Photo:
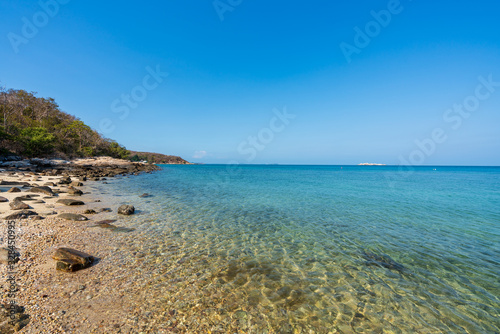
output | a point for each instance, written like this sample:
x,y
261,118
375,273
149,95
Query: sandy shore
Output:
x,y
92,300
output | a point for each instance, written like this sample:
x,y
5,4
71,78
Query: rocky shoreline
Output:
x,y
51,228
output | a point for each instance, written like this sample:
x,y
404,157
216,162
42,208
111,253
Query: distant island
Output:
x,y
35,127
371,164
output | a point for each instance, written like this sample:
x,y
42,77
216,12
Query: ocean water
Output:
x,y
319,249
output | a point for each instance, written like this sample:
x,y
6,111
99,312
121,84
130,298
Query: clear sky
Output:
x,y
316,82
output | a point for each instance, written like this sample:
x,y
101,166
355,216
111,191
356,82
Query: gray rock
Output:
x,y
69,201
72,216
3,199
126,209
105,210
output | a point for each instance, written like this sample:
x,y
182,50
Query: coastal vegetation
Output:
x,y
32,126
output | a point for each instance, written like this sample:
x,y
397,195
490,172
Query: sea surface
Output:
x,y
319,249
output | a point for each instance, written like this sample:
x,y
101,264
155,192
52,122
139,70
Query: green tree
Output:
x,y
37,141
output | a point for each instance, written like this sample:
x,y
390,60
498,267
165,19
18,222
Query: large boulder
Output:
x,y
43,189
69,201
69,259
126,209
72,216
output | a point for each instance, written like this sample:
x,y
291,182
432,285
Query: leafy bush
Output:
x,y
37,141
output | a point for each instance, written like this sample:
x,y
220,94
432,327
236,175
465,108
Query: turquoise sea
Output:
x,y
319,249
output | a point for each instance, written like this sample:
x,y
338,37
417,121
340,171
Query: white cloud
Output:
x,y
199,154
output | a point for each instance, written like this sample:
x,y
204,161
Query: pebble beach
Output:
x,y
99,299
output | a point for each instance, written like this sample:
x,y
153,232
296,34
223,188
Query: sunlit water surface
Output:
x,y
318,249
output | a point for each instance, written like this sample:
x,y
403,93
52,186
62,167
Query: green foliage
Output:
x,y
118,151
37,141
135,158
35,126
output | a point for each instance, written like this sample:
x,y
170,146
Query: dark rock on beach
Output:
x,y
69,259
69,201
26,198
43,189
19,205
13,183
72,216
75,192
14,190
3,199
21,215
126,209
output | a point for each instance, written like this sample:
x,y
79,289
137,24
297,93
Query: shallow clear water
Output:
x,y
322,249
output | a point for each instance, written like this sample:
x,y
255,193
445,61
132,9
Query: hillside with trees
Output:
x,y
156,158
32,126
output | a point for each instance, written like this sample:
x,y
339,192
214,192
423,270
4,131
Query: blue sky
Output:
x,y
389,101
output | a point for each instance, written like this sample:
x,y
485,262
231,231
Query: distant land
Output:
x,y
157,158
371,164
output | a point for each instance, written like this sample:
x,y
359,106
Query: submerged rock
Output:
x,y
107,224
69,201
72,216
383,261
126,209
69,259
